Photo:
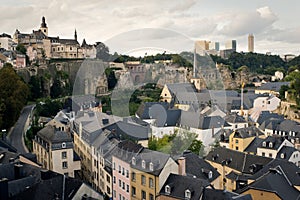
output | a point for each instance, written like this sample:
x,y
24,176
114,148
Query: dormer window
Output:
x,y
270,145
264,144
187,194
63,145
210,174
282,155
143,164
167,189
133,160
151,166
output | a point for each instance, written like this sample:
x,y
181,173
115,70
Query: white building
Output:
x,y
266,103
6,42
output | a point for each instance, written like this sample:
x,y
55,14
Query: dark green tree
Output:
x,y
13,95
102,51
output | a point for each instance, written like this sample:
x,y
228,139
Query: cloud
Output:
x,y
237,24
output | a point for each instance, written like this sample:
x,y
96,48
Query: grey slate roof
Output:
x,y
158,159
276,142
212,194
236,160
49,134
234,118
179,184
273,86
196,166
275,181
252,147
286,152
125,130
144,108
266,115
290,169
250,131
197,120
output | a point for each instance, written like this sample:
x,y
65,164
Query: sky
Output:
x,y
161,25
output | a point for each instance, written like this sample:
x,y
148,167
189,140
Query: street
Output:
x,y
16,136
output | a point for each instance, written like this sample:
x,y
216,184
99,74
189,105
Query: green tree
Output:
x,y
102,51
196,147
21,48
13,95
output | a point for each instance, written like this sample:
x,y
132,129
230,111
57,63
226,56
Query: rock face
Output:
x,y
289,111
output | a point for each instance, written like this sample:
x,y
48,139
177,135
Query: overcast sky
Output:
x,y
126,25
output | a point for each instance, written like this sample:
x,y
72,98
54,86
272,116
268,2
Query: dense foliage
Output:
x,y
259,63
177,143
13,96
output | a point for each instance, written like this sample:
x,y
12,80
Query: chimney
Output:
x,y
181,166
4,189
17,170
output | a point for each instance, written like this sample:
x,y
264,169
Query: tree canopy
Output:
x,y
13,96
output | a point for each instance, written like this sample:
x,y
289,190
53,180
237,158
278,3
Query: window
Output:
x,y
120,183
63,145
114,166
151,182
108,189
123,171
167,189
114,179
127,188
64,165
133,160
107,178
187,194
282,155
127,173
114,193
120,197
143,180
264,144
143,195
133,191
151,166
210,174
270,155
119,169
71,48
237,148
263,154
151,197
133,176
143,164
63,154
236,141
270,145
123,185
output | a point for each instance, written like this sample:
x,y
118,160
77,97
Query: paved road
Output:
x,y
16,138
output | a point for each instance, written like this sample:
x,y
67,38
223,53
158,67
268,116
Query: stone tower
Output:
x,y
44,27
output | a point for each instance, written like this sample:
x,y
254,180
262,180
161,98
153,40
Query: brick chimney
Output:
x,y
181,166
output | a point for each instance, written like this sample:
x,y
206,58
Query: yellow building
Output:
x,y
240,139
149,171
54,151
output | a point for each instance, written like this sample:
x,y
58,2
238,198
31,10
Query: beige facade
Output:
x,y
261,194
54,151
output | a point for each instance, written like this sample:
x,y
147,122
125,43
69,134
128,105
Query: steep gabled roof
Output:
x,y
236,160
179,184
274,181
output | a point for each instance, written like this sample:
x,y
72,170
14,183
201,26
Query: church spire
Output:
x,y
75,35
43,24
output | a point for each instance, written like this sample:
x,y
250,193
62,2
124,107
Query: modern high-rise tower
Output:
x,y
251,43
